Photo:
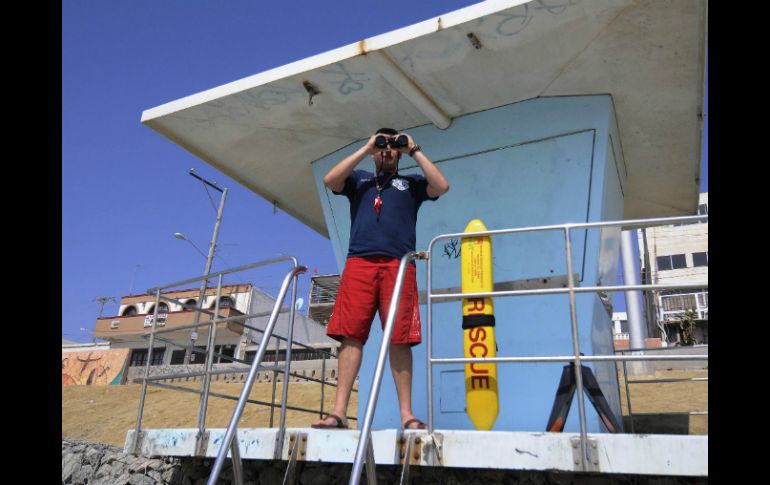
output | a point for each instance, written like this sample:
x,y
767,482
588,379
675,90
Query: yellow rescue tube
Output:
x,y
481,396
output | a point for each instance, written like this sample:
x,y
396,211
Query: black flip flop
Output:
x,y
420,424
339,424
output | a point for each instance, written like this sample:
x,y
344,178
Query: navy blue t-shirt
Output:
x,y
393,232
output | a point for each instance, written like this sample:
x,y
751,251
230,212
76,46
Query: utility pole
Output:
x,y
209,259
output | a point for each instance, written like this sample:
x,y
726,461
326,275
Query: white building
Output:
x,y
677,254
132,325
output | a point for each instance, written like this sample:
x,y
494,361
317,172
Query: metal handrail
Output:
x,y
626,382
365,436
230,443
571,290
235,398
235,320
155,329
225,272
371,403
231,428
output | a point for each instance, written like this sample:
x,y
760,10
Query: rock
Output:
x,y
123,479
129,459
137,479
154,464
105,470
82,474
69,464
111,456
172,476
139,466
155,476
91,456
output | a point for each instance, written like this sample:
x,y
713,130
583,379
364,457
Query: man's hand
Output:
x,y
437,183
335,178
369,147
408,146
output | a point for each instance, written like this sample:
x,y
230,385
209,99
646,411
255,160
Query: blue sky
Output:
x,y
125,189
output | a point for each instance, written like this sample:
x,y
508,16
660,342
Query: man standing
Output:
x,y
383,214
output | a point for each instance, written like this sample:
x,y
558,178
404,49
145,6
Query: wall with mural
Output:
x,y
93,367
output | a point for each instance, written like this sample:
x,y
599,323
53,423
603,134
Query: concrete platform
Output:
x,y
637,454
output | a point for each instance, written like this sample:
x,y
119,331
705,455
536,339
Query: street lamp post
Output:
x,y
209,258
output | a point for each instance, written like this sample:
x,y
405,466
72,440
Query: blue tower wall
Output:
x,y
539,162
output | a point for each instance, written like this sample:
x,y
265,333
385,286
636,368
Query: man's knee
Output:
x,y
349,342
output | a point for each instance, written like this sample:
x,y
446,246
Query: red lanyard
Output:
x,y
378,200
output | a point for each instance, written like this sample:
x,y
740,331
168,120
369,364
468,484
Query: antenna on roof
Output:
x,y
103,300
133,275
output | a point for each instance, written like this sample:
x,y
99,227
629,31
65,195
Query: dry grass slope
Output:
x,y
105,413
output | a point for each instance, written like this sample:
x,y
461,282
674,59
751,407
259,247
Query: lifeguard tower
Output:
x,y
539,114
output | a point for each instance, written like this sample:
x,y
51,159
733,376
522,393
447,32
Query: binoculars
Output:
x,y
398,141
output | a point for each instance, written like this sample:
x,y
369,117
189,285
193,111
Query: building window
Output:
x,y
157,356
703,209
224,302
700,259
228,350
139,356
189,305
674,261
162,308
307,354
198,358
296,354
177,357
678,261
129,311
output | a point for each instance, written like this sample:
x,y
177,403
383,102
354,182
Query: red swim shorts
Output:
x,y
366,287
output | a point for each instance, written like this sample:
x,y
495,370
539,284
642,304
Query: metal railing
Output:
x,y
212,324
155,333
232,427
364,443
626,383
577,358
571,290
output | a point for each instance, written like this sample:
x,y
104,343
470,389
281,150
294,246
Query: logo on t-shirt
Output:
x,y
400,184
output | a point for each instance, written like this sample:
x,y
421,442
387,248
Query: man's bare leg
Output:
x,y
348,364
401,366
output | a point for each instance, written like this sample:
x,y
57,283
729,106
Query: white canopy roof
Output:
x,y
265,130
